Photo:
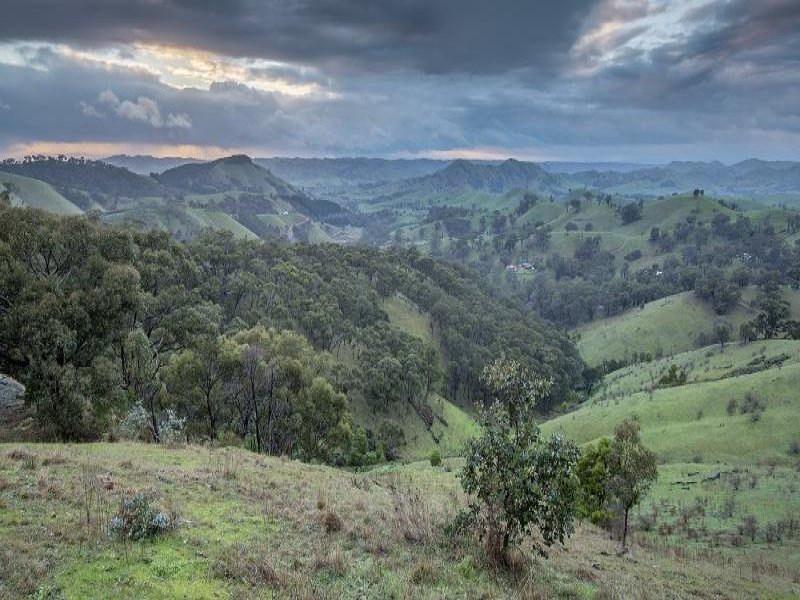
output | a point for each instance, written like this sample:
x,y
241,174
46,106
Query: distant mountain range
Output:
x,y
770,180
750,178
145,165
492,178
230,193
291,197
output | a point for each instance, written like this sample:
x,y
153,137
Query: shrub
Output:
x,y
752,404
731,408
228,438
171,429
140,518
794,447
633,255
674,376
136,425
412,516
424,573
436,458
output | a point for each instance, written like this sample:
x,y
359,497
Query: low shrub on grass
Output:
x,y
436,458
140,518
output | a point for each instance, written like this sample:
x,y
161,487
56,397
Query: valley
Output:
x,y
383,290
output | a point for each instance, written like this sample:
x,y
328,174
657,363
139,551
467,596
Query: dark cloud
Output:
x,y
430,35
721,81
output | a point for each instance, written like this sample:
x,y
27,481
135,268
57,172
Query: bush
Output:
x,y
436,458
751,403
731,408
633,255
171,429
511,460
139,518
136,425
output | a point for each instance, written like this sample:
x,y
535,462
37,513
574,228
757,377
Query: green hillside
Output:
x,y
33,193
224,175
663,327
726,441
229,194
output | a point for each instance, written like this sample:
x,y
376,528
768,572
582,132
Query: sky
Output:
x,y
591,80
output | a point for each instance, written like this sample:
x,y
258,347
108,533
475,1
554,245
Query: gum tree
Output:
x,y
516,481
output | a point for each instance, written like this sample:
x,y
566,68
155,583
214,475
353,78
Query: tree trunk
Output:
x,y
255,409
625,529
211,423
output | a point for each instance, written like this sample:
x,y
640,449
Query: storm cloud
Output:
x,y
590,80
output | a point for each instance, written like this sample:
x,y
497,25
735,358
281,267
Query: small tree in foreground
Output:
x,y
631,469
515,481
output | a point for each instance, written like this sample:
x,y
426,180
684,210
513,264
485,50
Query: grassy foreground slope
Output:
x,y
728,445
257,527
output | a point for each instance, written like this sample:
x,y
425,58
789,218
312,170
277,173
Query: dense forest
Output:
x,y
265,341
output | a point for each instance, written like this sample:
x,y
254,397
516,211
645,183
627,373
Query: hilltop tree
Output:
x,y
515,480
631,470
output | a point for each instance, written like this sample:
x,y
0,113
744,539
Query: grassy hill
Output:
x,y
224,175
662,327
259,527
726,442
232,194
33,193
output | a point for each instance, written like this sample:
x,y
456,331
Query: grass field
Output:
x,y
258,527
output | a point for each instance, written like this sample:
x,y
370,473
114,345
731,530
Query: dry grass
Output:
x,y
284,529
249,564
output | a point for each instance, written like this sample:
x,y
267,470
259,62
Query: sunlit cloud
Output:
x,y
178,67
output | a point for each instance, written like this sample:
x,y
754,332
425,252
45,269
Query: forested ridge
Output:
x,y
265,341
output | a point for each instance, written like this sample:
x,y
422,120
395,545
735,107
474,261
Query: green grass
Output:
x,y
679,423
254,527
219,220
717,463
662,327
33,193
405,315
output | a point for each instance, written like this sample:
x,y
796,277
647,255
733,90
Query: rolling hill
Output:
x,y
750,178
726,441
321,173
232,194
33,193
462,176
663,327
89,184
145,164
